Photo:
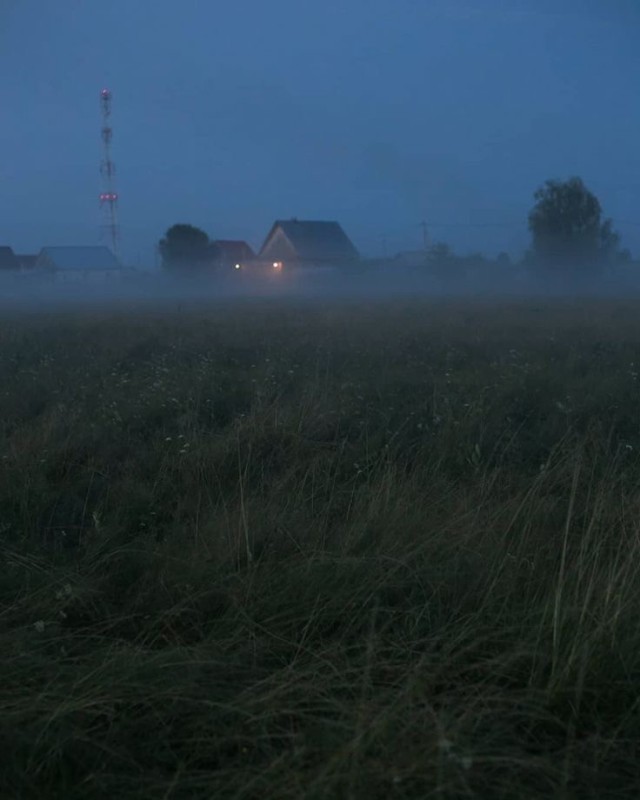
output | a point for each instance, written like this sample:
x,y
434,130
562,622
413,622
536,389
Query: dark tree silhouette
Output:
x,y
440,253
568,233
185,249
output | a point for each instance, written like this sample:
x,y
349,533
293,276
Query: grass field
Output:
x,y
346,550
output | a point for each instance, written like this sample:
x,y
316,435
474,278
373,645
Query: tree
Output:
x,y
185,249
624,257
440,260
568,233
440,253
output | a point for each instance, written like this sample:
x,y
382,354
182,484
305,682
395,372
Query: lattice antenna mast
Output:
x,y
109,196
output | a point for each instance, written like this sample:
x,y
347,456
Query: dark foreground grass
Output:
x,y
305,552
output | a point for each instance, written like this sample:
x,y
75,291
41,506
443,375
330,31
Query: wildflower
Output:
x,y
66,591
450,750
476,451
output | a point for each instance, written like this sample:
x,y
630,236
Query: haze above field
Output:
x,y
377,113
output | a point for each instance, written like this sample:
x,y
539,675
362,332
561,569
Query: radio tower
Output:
x,y
109,197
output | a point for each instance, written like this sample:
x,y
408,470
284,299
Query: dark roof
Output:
x,y
8,259
232,249
78,258
313,241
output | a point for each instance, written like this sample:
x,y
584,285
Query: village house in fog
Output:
x,y
27,261
8,260
78,264
229,252
13,263
308,243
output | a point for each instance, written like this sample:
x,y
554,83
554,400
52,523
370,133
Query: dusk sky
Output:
x,y
375,113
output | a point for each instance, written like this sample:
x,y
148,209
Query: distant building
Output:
x,y
8,260
27,263
79,264
229,252
308,243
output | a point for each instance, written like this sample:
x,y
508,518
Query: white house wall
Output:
x,y
278,247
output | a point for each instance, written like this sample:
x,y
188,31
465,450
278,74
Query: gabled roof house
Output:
x,y
8,259
229,252
79,263
27,261
307,242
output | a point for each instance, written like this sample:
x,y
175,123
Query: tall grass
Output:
x,y
314,551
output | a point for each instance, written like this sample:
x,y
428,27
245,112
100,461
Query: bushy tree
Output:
x,y
185,249
624,257
567,229
441,262
440,253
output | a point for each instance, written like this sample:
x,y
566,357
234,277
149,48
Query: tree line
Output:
x,y
570,238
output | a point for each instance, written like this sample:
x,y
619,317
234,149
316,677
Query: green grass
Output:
x,y
321,551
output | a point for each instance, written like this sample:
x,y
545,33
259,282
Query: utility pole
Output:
x,y
425,236
383,242
425,241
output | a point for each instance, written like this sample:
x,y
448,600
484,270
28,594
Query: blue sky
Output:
x,y
377,113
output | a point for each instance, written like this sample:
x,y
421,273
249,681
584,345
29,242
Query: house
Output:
x,y
27,263
308,243
8,260
229,252
79,264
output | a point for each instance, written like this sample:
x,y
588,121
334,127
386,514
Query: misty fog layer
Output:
x,y
379,282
